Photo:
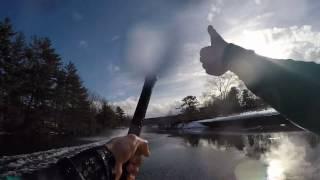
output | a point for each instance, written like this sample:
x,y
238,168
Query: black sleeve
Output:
x,y
291,87
91,164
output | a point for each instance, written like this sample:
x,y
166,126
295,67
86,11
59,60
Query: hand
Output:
x,y
130,149
211,56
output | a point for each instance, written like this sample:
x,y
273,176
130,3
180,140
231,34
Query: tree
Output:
x,y
12,46
232,101
188,108
121,118
251,102
189,105
39,95
76,100
106,117
220,86
248,100
76,95
41,70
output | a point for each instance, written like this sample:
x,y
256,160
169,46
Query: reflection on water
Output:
x,y
204,155
271,156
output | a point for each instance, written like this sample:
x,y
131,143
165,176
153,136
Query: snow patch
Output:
x,y
245,115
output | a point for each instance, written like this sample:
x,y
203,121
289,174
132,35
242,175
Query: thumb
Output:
x,y
143,148
214,36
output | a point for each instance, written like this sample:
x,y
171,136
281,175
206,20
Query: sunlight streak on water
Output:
x,y
275,170
268,156
293,157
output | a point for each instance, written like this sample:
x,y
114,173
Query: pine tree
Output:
x,y
121,118
77,106
106,117
248,101
12,46
41,73
232,101
37,94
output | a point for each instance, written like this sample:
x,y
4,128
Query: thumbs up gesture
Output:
x,y
211,57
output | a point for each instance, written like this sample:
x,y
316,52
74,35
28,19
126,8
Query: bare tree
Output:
x,y
219,86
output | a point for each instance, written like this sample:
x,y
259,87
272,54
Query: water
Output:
x,y
204,155
232,156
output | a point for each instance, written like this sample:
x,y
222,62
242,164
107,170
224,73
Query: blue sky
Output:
x,y
111,40
92,34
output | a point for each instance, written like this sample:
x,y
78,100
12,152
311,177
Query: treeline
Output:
x,y
236,101
232,102
40,94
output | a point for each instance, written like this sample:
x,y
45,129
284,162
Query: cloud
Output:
x,y
77,16
296,42
115,38
257,1
155,109
214,11
113,68
83,44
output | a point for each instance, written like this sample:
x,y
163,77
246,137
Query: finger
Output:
x,y
136,160
132,169
214,36
143,148
131,177
118,170
206,52
139,146
212,33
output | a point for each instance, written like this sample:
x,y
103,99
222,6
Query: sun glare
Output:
x,y
275,170
262,42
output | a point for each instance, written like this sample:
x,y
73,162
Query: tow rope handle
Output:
x,y
140,113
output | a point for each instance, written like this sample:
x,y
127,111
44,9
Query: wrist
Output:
x,y
224,61
233,54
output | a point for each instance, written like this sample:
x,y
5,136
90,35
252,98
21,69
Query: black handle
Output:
x,y
140,113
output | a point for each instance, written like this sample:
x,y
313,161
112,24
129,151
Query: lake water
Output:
x,y
202,154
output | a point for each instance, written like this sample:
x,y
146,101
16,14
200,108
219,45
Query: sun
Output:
x,y
262,42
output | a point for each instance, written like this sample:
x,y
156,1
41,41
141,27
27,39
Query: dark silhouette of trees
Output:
x,y
121,116
227,95
248,101
12,49
38,94
106,115
232,102
189,109
189,105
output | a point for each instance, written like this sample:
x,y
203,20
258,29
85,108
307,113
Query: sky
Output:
x,y
114,42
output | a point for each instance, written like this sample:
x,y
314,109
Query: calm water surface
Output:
x,y
203,155
233,156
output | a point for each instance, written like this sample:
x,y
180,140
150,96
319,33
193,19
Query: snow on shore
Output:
x,y
250,114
